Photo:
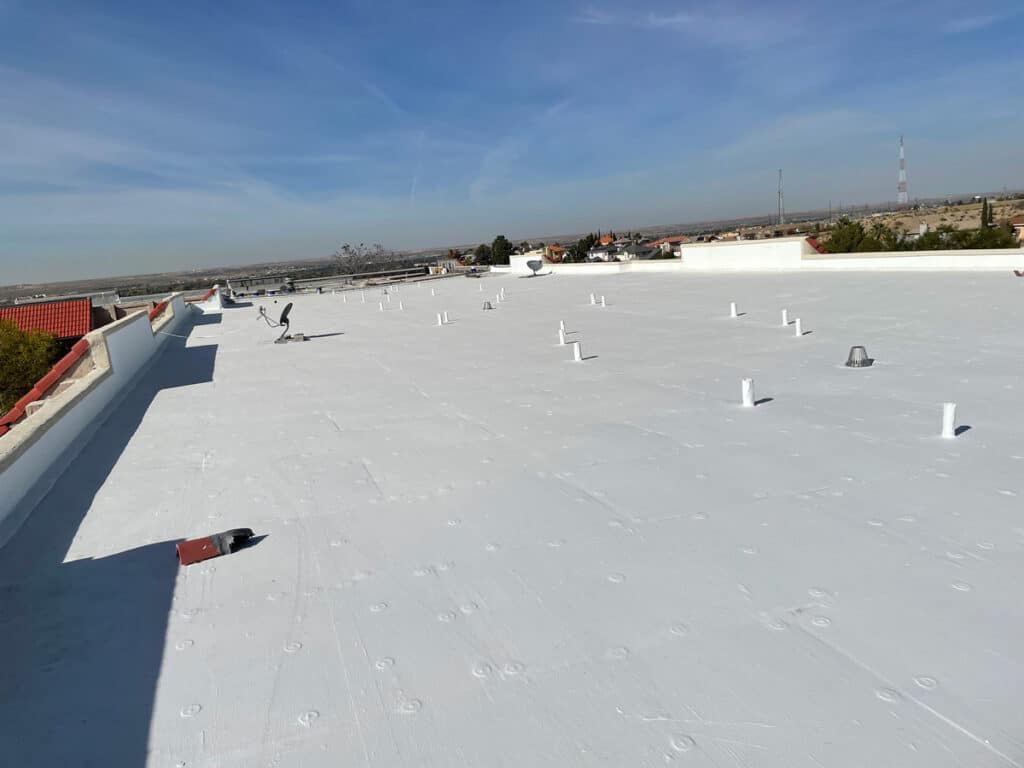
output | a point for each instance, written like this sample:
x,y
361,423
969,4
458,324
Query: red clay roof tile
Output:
x,y
69,319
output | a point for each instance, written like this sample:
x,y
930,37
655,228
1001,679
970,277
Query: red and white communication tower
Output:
x,y
901,183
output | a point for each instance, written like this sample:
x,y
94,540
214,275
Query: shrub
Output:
x,y
25,357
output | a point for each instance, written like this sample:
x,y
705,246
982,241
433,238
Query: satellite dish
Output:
x,y
535,265
283,322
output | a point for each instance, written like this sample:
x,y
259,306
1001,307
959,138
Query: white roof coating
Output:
x,y
480,553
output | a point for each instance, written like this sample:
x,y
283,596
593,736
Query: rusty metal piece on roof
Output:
x,y
197,550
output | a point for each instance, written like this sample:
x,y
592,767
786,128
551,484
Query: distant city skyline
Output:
x,y
138,138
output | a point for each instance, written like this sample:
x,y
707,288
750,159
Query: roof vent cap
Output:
x,y
858,358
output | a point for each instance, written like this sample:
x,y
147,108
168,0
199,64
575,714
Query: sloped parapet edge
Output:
x,y
211,301
40,443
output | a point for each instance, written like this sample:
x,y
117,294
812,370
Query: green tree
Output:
x,y
501,249
881,238
984,212
25,357
578,251
482,254
845,236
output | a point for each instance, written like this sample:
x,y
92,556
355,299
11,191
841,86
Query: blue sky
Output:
x,y
145,136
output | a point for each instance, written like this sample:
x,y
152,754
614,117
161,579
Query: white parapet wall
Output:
x,y
37,449
517,266
784,253
910,261
747,255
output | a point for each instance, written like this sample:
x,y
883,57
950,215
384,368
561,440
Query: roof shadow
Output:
x,y
86,638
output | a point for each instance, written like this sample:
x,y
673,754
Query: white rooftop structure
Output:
x,y
478,552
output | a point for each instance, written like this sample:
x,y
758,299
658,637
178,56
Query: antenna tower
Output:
x,y
901,183
782,205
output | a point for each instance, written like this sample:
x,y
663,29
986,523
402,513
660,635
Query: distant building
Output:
x,y
554,253
638,251
1017,222
97,297
671,244
601,253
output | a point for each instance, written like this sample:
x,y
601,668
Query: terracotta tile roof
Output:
x,y
672,240
70,319
606,240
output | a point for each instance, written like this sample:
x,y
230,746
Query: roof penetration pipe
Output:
x,y
949,420
747,386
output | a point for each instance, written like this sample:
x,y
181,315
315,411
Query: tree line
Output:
x,y
849,236
498,252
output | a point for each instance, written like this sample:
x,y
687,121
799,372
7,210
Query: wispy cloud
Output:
x,y
596,17
679,20
973,23
296,55
497,167
783,135
37,153
330,158
715,25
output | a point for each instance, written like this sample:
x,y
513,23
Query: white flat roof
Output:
x,y
479,553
